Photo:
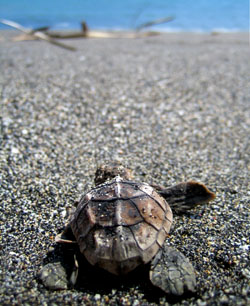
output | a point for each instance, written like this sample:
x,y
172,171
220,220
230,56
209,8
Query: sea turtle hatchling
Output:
x,y
121,224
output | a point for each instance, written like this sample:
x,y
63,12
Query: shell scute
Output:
x,y
83,221
145,235
128,213
106,192
104,212
154,195
129,190
151,212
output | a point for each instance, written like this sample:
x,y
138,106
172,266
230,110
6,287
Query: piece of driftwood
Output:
x,y
45,34
101,34
41,29
22,37
154,22
74,34
86,33
36,34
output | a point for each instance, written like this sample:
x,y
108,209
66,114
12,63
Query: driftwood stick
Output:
x,y
85,33
56,34
90,34
74,34
101,34
15,25
154,22
41,29
45,37
37,34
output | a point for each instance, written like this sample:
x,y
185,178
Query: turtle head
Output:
x,y
109,171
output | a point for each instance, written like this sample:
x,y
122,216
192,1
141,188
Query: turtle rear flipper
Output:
x,y
172,272
185,196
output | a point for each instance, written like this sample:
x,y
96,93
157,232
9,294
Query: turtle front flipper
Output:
x,y
54,275
172,272
185,196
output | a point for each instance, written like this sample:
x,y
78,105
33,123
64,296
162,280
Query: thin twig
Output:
x,y
154,22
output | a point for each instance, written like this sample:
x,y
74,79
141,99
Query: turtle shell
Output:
x,y
121,224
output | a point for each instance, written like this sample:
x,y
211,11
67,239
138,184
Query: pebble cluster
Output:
x,y
172,107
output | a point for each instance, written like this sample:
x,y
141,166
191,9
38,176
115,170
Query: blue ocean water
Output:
x,y
190,15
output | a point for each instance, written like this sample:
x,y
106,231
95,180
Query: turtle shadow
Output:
x,y
96,280
93,280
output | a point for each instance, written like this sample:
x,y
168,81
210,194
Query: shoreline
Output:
x,y
185,37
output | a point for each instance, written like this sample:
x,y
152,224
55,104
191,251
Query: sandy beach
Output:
x,y
173,107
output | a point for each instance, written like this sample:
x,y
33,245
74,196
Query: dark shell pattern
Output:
x,y
121,224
